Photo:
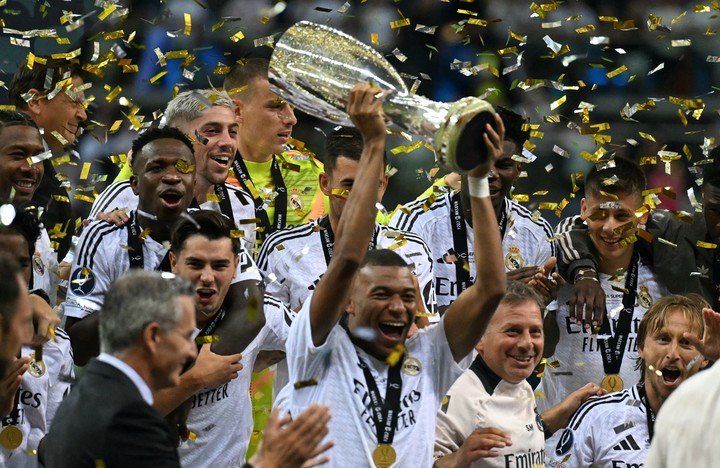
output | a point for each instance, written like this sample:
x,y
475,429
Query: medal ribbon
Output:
x,y
460,244
135,246
612,349
327,238
225,206
243,177
384,412
649,413
209,329
716,281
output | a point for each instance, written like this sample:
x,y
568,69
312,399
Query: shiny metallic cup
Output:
x,y
314,67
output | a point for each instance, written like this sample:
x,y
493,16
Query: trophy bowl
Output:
x,y
314,67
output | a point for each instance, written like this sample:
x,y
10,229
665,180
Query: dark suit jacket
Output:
x,y
105,418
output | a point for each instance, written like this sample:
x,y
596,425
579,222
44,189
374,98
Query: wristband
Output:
x,y
478,187
580,274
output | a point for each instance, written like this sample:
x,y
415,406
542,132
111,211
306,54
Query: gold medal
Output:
x,y
612,383
11,437
384,456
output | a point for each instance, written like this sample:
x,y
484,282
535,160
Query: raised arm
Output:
x,y
357,222
468,316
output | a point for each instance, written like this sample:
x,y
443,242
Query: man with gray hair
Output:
x,y
147,326
208,118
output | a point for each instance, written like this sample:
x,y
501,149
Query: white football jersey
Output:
x,y
605,431
525,241
294,260
103,255
119,195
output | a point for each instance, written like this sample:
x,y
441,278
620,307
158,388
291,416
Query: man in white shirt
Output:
x,y
164,179
489,416
617,429
604,352
208,118
146,332
382,388
204,251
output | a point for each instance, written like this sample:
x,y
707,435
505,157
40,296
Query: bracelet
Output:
x,y
580,274
591,278
478,187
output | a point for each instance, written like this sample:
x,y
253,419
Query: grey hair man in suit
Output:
x,y
147,326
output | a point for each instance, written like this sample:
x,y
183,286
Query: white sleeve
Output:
x,y
270,261
576,447
455,420
437,349
62,377
306,361
247,269
91,275
278,319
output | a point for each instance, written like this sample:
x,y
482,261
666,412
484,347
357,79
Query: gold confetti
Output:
x,y
237,36
395,354
158,76
706,245
647,136
207,339
107,12
305,383
555,104
624,227
616,72
85,171
374,38
400,23
681,43
188,24
343,193
192,437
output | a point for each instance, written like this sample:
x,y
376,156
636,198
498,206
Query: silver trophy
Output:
x,y
314,67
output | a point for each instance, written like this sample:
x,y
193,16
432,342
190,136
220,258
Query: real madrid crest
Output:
x,y
644,297
513,260
411,366
295,200
36,368
38,265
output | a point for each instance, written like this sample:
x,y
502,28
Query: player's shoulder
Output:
x,y
528,218
388,235
604,407
288,237
304,160
100,231
432,206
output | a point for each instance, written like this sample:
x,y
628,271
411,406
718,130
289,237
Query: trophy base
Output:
x,y
459,143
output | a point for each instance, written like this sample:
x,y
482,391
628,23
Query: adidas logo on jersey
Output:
x,y
628,443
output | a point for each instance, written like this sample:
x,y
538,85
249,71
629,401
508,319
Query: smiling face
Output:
x,y
19,178
383,300
210,265
604,216
266,121
161,181
668,352
512,345
219,129
63,114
